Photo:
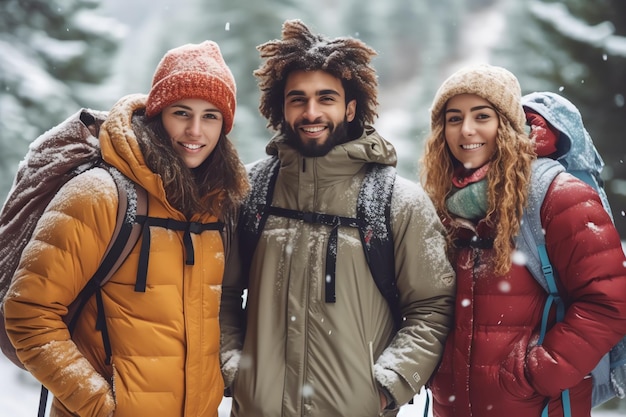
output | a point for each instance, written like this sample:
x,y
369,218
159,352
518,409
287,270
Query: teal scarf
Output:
x,y
469,202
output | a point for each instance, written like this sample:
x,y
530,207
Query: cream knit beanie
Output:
x,y
495,84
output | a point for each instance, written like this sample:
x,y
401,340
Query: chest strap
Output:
x,y
475,243
142,269
183,226
331,249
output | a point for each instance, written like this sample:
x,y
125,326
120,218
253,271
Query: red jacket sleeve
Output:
x,y
585,249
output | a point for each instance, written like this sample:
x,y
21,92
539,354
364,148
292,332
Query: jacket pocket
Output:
x,y
512,372
388,412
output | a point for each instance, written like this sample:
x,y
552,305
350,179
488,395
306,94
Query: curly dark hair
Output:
x,y
346,58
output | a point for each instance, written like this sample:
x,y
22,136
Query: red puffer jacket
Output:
x,y
491,364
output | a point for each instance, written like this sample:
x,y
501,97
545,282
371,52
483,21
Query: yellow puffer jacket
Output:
x,y
164,341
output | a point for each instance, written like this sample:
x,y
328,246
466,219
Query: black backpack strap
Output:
x,y
132,202
373,222
254,210
374,208
101,326
331,249
43,402
182,226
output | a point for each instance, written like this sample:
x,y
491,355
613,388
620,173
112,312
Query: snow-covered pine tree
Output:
x,y
55,54
578,49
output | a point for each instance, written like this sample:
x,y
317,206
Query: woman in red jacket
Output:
x,y
477,169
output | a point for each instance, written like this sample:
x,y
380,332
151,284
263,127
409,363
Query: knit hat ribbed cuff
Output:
x,y
495,84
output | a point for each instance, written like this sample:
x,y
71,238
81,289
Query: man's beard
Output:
x,y
311,148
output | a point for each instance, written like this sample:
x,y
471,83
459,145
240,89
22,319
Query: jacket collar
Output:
x,y
342,161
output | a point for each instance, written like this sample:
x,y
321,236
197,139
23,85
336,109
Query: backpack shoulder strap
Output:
x,y
531,239
254,210
374,209
532,243
609,375
132,202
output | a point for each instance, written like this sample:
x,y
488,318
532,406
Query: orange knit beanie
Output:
x,y
194,71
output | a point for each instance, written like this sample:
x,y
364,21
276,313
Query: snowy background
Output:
x,y
59,55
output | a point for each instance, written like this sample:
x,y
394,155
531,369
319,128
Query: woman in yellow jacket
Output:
x,y
164,339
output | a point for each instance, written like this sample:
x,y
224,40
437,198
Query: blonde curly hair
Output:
x,y
508,179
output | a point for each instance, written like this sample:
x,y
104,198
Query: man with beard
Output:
x,y
307,347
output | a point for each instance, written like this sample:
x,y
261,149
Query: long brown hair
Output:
x,y
508,178
217,186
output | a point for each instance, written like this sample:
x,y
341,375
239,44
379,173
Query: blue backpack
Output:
x,y
577,155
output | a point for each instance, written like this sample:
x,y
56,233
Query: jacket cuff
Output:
x,y
391,402
230,364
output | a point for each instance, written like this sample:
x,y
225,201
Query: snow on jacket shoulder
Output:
x,y
304,356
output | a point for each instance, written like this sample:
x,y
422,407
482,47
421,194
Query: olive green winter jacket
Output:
x,y
301,356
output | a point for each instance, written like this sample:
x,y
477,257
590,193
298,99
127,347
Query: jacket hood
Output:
x,y
574,141
120,145
370,147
